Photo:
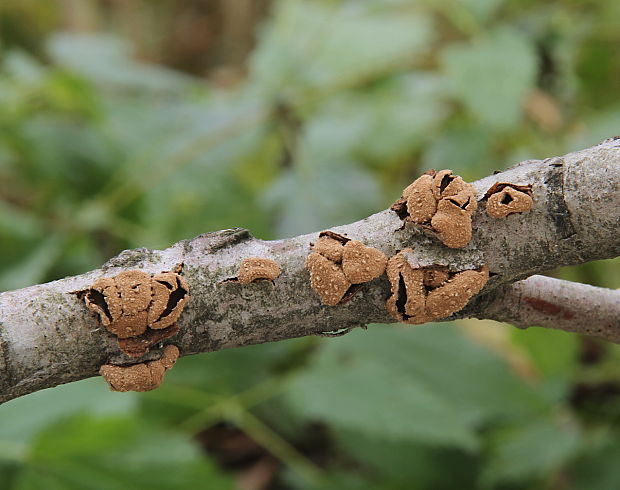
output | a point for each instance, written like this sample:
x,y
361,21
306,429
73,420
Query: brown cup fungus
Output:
x,y
421,295
141,309
441,202
337,263
255,269
505,199
145,376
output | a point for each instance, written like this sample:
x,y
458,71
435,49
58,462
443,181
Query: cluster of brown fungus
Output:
x,y
337,264
441,202
141,310
421,295
139,306
145,376
504,199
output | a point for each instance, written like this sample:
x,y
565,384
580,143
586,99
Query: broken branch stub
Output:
x,y
440,202
145,376
504,199
338,263
421,295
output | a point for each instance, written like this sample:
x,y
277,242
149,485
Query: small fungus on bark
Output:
x,y
441,202
145,376
421,295
407,302
134,304
338,263
328,247
504,199
255,269
360,263
327,278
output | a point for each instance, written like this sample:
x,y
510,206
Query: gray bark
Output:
x,y
49,337
563,305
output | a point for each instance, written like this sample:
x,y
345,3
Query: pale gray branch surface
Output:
x,y
552,303
48,337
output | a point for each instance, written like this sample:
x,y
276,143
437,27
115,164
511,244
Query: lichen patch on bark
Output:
x,y
441,202
145,376
421,295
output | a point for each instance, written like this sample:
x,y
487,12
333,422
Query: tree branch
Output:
x,y
547,302
49,337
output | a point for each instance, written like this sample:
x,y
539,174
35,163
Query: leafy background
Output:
x,y
134,123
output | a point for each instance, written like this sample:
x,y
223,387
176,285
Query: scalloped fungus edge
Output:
x,y
442,203
139,308
339,265
421,295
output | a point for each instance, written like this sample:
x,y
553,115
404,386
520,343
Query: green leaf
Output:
x,y
198,381
529,451
23,67
377,125
310,44
465,149
395,464
492,75
17,223
428,384
34,267
598,468
25,416
310,198
556,366
481,9
106,60
116,453
596,127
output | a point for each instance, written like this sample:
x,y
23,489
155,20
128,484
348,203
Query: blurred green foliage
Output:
x,y
344,103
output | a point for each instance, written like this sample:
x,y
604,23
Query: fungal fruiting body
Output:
x,y
255,269
140,345
329,247
504,199
327,278
132,301
407,302
421,295
336,263
362,264
133,304
441,202
145,376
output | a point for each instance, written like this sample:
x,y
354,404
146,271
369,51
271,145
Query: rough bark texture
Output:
x,y
49,337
